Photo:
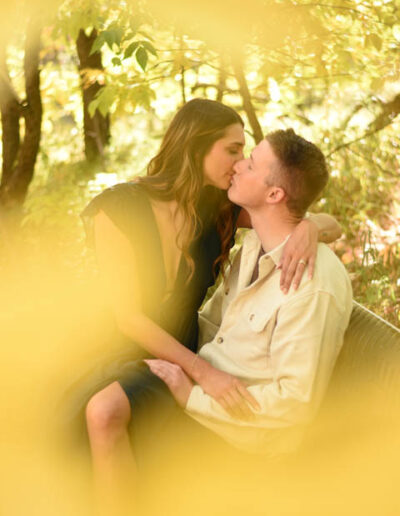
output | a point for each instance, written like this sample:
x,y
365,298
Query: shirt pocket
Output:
x,y
258,319
259,326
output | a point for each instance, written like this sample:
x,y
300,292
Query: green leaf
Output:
x,y
106,99
118,35
116,61
103,101
390,19
142,95
142,57
92,107
109,37
375,40
97,44
148,46
131,49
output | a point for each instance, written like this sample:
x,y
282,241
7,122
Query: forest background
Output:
x,y
87,88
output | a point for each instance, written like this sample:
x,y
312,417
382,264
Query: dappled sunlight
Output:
x,y
101,181
328,71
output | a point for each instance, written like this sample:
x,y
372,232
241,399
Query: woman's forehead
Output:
x,y
234,134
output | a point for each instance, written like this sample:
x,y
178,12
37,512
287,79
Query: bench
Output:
x,y
364,391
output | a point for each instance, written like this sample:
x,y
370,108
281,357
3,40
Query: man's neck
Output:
x,y
272,226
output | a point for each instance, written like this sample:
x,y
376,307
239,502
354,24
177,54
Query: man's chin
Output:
x,y
232,195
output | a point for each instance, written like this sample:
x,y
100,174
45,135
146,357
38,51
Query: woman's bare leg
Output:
x,y
115,474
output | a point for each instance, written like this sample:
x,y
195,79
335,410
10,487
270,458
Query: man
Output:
x,y
283,346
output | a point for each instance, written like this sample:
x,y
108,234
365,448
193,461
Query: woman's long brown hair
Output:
x,y
176,172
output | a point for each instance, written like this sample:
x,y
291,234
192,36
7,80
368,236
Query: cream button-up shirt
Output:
x,y
282,346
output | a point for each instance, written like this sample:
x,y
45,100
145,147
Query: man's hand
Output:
x,y
299,251
174,377
228,391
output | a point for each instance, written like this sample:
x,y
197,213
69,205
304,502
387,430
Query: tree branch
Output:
x,y
222,75
390,111
386,171
246,98
216,87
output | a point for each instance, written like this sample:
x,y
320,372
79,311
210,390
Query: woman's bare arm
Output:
x,y
301,248
119,275
328,227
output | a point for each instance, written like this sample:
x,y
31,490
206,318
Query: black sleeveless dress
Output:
x,y
129,207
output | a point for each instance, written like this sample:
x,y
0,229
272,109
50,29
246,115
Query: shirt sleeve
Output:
x,y
302,352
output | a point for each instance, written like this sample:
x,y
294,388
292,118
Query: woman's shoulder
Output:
x,y
124,203
119,192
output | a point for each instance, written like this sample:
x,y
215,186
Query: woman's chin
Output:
x,y
224,186
221,185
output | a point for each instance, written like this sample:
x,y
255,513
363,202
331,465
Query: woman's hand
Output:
x,y
229,392
299,251
174,377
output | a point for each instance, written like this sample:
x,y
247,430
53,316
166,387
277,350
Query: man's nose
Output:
x,y
237,166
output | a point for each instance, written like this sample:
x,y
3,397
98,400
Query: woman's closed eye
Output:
x,y
235,151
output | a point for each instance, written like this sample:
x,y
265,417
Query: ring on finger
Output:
x,y
302,261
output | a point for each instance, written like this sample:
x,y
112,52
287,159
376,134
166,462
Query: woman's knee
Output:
x,y
108,410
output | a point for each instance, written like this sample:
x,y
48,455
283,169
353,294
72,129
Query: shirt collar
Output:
x,y
252,244
276,253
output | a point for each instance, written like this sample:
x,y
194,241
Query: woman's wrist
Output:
x,y
319,231
199,369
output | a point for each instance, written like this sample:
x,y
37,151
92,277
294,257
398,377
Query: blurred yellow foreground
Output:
x,y
54,325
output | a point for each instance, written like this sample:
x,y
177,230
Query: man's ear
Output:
x,y
275,195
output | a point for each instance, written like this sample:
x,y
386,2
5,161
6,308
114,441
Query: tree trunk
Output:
x,y
20,158
246,97
222,75
96,128
10,114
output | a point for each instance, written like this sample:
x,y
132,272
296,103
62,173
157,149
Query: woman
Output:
x,y
160,242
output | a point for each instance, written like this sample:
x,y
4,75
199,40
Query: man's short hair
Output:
x,y
303,172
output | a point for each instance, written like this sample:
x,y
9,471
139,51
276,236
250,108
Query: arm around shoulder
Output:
x,y
328,227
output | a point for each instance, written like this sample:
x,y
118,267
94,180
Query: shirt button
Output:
x,y
227,291
251,317
220,340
